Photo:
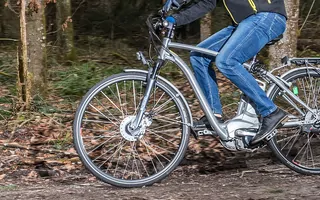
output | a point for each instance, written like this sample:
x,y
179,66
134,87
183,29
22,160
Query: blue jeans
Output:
x,y
236,46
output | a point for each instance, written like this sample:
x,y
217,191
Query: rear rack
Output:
x,y
301,61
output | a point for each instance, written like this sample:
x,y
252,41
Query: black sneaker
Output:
x,y
269,124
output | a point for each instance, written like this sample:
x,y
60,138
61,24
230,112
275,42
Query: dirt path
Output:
x,y
258,183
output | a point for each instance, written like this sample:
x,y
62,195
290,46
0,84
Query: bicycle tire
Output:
x,y
109,178
283,154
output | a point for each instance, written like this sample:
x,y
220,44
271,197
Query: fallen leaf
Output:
x,y
92,179
33,174
2,176
72,150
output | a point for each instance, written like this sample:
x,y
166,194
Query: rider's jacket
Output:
x,y
237,9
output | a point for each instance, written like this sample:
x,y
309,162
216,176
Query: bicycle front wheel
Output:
x,y
298,147
115,154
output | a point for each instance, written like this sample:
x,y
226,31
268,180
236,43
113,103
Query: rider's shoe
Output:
x,y
269,124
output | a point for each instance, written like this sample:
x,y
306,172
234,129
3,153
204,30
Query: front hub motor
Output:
x,y
129,134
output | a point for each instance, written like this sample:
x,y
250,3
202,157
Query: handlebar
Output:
x,y
159,26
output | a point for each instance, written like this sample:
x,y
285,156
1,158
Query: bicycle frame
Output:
x,y
164,54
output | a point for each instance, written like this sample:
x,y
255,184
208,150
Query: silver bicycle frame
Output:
x,y
223,134
166,54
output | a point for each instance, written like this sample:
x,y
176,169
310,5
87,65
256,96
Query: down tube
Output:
x,y
198,91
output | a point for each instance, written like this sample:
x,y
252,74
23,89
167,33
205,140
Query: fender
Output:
x,y
284,76
190,123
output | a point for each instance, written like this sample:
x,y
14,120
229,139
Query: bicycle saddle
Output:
x,y
275,40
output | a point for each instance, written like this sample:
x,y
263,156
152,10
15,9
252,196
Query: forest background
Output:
x,y
72,45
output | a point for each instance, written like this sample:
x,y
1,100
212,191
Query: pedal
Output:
x,y
269,137
206,132
202,132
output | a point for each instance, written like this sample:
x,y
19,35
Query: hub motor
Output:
x,y
311,125
136,134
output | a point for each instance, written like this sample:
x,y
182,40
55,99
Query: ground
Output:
x,y
258,181
39,161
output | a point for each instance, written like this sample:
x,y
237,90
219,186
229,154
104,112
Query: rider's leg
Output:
x,y
204,73
249,38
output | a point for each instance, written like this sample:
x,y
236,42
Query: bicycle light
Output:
x,y
141,58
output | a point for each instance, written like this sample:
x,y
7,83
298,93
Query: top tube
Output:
x,y
200,50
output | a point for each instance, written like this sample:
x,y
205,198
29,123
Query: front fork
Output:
x,y
151,80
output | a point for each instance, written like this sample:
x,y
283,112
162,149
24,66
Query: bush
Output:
x,y
78,79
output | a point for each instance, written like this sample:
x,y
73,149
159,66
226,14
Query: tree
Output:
x,y
288,45
32,68
65,29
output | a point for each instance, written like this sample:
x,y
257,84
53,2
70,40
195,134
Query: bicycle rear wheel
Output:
x,y
112,152
297,147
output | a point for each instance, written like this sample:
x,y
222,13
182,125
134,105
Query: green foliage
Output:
x,y
8,187
7,69
39,104
4,114
5,100
64,142
79,78
308,53
228,98
4,109
277,191
171,72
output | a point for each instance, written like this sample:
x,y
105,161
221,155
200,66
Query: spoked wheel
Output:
x,y
131,158
299,147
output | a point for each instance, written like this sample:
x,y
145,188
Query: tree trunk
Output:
x,y
32,54
23,57
205,26
288,45
65,27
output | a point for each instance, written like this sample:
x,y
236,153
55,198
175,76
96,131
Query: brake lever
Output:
x,y
172,4
167,6
177,6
